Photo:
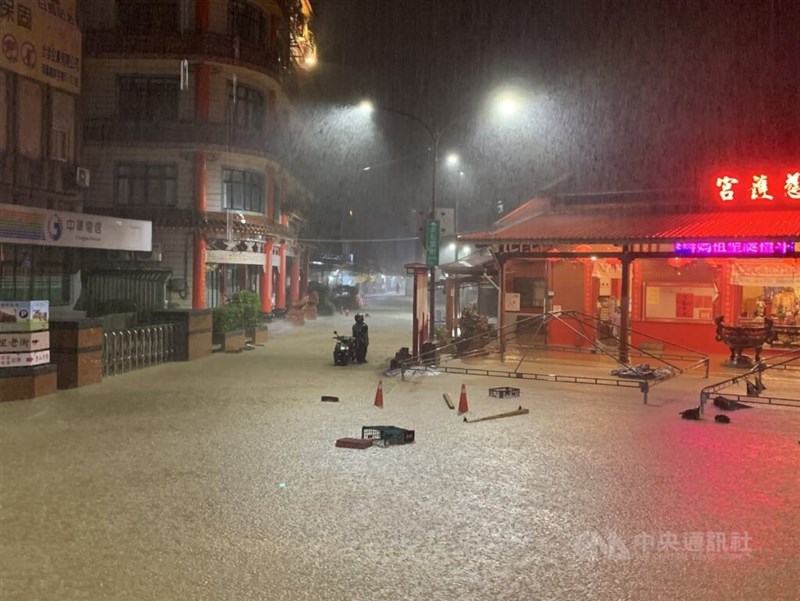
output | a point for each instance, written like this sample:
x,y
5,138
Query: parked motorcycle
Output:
x,y
344,352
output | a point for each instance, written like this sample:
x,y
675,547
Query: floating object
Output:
x,y
691,413
330,399
281,484
379,395
463,406
519,411
503,392
722,419
354,443
448,400
387,435
729,404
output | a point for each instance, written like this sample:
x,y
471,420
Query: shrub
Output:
x,y
249,306
474,329
227,318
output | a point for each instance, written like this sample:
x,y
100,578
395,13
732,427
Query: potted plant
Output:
x,y
227,328
249,304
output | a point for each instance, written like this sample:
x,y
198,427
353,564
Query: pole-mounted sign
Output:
x,y
432,243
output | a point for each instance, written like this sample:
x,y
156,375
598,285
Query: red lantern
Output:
x,y
553,259
582,248
678,262
612,261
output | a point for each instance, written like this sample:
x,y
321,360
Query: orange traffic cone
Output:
x,y
379,395
463,407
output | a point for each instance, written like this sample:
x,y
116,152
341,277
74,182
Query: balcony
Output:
x,y
177,134
217,47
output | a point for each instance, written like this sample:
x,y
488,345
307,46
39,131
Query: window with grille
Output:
x,y
147,16
242,190
145,98
531,292
245,106
146,184
248,23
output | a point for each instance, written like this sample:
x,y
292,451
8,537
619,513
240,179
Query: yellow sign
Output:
x,y
40,39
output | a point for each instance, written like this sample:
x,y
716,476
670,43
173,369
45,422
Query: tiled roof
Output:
x,y
649,227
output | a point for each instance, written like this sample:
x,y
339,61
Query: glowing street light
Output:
x,y
453,159
434,134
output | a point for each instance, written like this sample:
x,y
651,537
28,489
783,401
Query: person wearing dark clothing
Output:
x,y
361,338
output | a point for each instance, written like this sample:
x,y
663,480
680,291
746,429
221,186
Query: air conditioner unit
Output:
x,y
82,177
119,255
152,256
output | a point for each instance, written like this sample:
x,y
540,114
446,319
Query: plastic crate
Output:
x,y
504,392
387,435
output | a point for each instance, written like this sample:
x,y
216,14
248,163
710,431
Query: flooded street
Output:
x,y
219,479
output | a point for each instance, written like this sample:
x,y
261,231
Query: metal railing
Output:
x,y
136,348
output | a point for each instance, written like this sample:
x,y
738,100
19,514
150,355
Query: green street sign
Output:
x,y
432,243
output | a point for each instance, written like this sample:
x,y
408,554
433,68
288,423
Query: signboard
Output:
x,y
512,301
432,243
755,249
45,227
236,257
24,316
763,186
40,39
24,342
24,359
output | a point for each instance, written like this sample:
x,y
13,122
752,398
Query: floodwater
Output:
x,y
219,479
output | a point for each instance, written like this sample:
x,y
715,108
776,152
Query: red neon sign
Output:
x,y
759,186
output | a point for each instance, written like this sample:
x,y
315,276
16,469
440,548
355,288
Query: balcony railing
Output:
x,y
180,133
189,45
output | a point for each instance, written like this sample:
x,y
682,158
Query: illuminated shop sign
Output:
x,y
735,248
784,185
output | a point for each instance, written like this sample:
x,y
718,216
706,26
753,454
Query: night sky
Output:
x,y
621,95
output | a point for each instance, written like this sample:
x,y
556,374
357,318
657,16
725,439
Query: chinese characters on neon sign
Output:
x,y
760,187
735,248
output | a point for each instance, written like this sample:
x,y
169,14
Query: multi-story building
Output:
x,y
39,148
187,105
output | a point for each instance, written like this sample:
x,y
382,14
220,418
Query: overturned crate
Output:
x,y
387,435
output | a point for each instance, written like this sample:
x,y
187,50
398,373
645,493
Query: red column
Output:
x,y
280,293
726,294
199,272
202,15
199,246
202,100
266,278
294,291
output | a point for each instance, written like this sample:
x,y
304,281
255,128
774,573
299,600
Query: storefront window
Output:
x,y
223,281
35,273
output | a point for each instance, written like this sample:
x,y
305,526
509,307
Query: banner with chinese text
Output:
x,y
41,40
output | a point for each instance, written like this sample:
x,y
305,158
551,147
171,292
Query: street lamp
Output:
x,y
435,135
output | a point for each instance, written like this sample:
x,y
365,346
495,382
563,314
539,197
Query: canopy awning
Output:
x,y
479,263
632,228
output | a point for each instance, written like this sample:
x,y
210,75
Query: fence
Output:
x,y
136,348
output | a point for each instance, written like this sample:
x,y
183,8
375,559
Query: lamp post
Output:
x,y
434,135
